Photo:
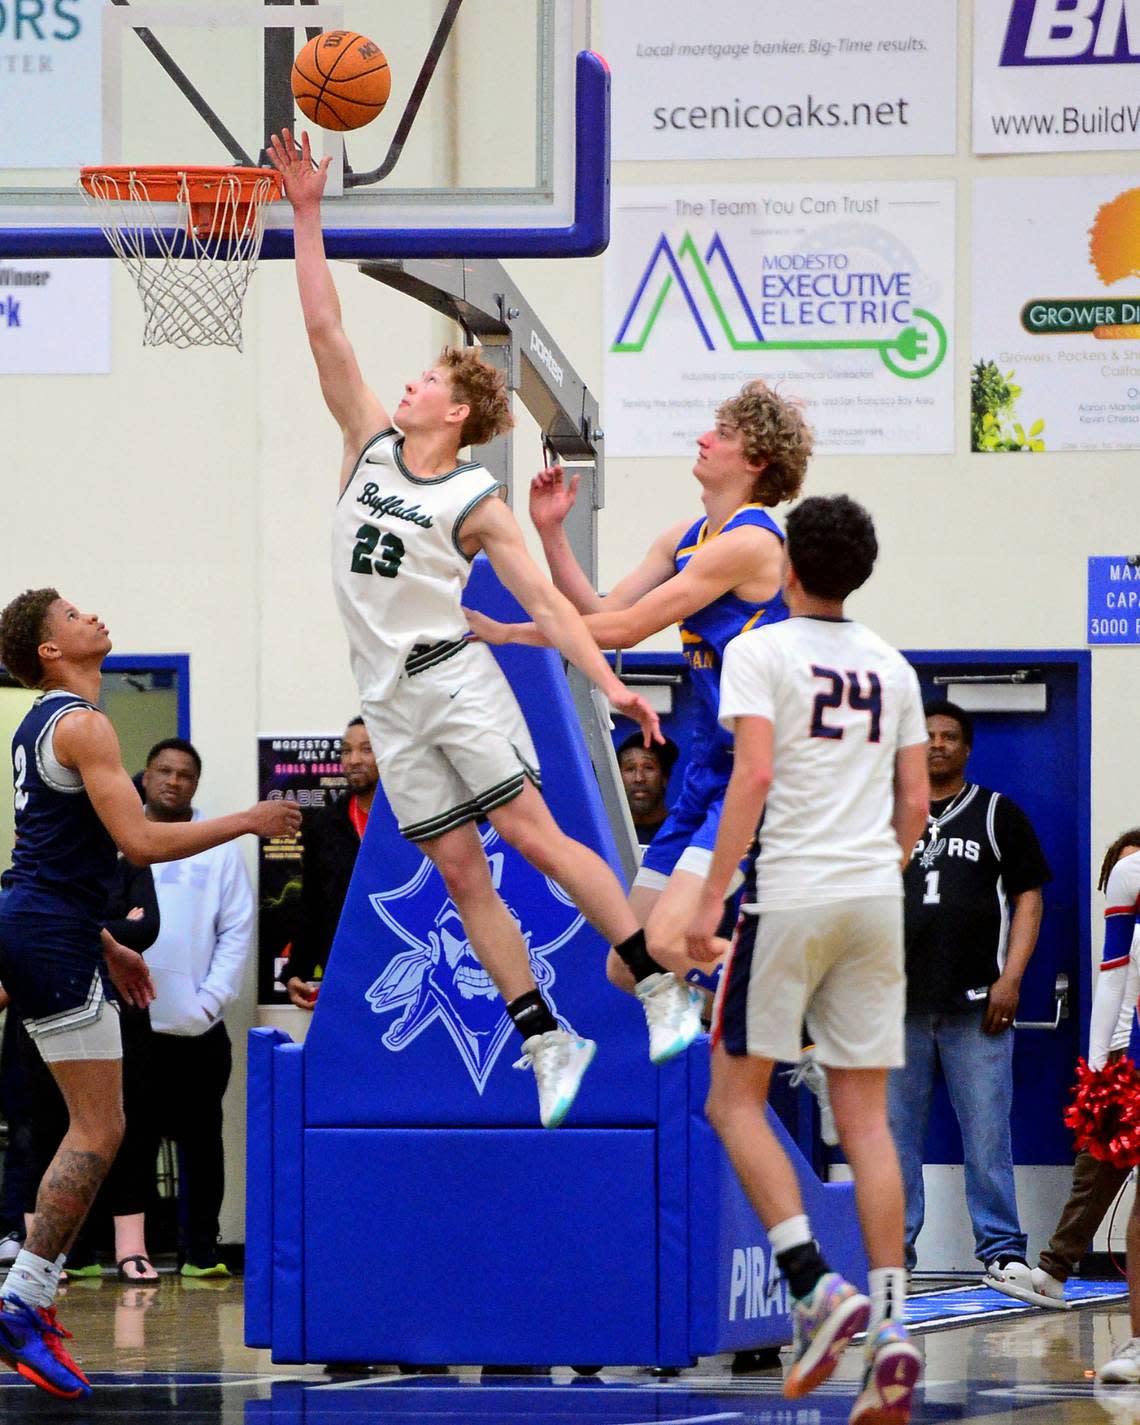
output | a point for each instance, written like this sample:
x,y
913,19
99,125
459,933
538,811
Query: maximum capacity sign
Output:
x,y
1114,598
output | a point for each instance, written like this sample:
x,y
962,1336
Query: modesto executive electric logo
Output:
x,y
807,292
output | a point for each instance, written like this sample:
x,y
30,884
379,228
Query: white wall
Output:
x,y
186,498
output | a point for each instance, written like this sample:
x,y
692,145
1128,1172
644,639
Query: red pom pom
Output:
x,y
1105,1112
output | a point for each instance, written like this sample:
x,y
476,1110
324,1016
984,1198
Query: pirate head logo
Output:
x,y
439,978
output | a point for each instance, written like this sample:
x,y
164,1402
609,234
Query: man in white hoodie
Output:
x,y
197,963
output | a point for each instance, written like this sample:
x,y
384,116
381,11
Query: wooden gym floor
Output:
x,y
176,1348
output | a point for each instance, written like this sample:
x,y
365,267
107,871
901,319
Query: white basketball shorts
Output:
x,y
838,965
450,742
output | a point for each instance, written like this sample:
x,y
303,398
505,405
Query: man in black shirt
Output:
x,y
978,861
330,840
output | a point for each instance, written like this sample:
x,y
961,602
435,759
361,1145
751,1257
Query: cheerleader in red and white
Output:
x,y
1106,1111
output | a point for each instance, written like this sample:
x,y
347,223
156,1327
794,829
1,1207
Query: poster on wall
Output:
x,y
55,317
840,294
305,770
1056,76
752,78
50,67
1056,329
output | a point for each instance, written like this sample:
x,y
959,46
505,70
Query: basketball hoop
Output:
x,y
192,266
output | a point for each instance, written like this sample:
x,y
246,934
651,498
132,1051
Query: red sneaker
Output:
x,y
55,1338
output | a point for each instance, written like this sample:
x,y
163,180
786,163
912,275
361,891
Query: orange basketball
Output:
x,y
341,80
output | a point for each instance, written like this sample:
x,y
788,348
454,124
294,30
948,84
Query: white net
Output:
x,y
192,269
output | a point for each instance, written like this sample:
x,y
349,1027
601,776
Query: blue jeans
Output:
x,y
978,1069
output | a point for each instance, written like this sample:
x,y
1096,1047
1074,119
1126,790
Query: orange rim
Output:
x,y
163,183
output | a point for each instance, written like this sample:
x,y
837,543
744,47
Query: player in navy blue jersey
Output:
x,y
76,808
716,577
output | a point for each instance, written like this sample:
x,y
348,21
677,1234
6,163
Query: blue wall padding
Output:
x,y
289,1237
736,1301
406,1035
259,1186
493,1246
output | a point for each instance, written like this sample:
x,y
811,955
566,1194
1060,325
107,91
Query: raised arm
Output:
x,y
356,408
86,742
561,626
552,498
724,563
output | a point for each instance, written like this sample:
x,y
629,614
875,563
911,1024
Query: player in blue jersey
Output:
x,y
76,808
715,576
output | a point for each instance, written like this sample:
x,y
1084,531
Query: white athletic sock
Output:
x,y
792,1232
888,1296
33,1279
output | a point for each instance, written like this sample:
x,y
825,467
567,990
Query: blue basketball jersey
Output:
x,y
64,859
706,633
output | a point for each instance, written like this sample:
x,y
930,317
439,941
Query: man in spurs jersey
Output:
x,y
831,751
76,809
973,911
450,741
715,577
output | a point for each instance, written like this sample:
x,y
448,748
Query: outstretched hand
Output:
x,y
304,178
551,497
487,630
634,706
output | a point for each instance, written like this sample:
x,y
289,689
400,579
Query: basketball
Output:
x,y
341,80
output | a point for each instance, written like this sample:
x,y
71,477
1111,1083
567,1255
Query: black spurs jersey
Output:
x,y
977,852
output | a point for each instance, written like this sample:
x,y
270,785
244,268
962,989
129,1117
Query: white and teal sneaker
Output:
x,y
673,1013
823,1323
559,1060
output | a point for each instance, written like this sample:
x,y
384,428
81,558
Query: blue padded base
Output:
x,y
490,1246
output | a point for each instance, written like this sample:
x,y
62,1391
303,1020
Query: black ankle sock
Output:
x,y
531,1014
633,952
802,1267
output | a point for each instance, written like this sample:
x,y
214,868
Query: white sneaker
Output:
x,y
809,1071
673,1012
559,1060
9,1248
1048,1291
1012,1277
1124,1368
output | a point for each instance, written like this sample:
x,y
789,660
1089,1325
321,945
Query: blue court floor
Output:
x,y
175,1351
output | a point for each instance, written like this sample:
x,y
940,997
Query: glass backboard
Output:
x,y
494,142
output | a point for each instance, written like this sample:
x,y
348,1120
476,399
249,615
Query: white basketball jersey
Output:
x,y
842,702
398,570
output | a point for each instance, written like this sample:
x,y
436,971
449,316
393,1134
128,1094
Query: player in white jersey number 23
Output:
x,y
450,742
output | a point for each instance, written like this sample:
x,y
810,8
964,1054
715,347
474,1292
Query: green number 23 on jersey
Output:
x,y
387,563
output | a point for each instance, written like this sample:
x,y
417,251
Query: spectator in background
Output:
x,y
330,839
977,860
197,963
645,776
1096,1182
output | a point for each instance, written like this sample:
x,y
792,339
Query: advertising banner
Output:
x,y
1056,76
842,294
305,770
50,66
55,317
1056,329
752,78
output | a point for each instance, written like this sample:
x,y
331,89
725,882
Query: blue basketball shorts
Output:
x,y
52,968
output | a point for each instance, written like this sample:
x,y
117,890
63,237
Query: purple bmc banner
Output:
x,y
1070,32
